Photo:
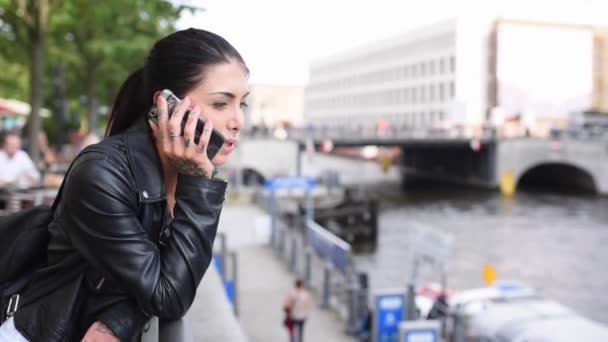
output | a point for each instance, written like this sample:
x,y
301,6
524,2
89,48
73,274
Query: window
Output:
x,y
441,92
431,93
422,94
441,66
452,90
431,67
423,69
452,64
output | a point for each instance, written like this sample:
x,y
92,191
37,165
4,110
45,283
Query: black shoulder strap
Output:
x,y
60,191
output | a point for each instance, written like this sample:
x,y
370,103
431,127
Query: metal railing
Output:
x,y
331,276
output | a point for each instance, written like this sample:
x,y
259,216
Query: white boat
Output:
x,y
513,312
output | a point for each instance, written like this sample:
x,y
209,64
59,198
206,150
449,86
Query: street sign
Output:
x,y
419,331
276,183
389,311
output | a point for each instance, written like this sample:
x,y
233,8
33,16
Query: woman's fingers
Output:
x,y
175,121
205,136
189,130
163,117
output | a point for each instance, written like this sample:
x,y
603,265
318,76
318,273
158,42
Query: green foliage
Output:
x,y
98,42
13,79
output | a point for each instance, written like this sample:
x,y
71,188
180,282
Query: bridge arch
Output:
x,y
560,176
252,176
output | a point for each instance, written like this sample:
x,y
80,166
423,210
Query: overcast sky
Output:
x,y
279,38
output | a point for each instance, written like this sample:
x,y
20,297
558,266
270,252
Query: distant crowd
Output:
x,y
19,171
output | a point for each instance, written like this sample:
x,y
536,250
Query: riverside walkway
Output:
x,y
264,281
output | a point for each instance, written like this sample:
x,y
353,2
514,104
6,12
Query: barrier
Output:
x,y
325,263
226,264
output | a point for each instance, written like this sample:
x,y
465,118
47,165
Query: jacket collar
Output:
x,y
145,162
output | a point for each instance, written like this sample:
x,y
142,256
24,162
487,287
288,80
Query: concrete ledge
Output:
x,y
211,315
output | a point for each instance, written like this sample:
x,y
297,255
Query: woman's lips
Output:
x,y
229,145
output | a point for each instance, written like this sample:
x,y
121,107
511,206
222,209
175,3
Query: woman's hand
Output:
x,y
179,149
98,332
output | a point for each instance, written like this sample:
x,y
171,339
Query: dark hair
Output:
x,y
177,62
299,283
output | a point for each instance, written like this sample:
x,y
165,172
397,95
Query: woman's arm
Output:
x,y
101,205
99,332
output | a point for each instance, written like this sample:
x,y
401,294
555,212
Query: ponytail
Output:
x,y
129,104
177,62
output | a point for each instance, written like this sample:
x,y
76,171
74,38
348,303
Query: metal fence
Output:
x,y
325,263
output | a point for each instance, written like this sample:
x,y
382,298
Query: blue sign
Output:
x,y
421,335
290,183
229,287
390,309
419,331
219,265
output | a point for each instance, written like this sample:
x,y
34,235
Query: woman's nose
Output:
x,y
236,123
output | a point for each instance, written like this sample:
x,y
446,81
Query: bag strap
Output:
x,y
60,191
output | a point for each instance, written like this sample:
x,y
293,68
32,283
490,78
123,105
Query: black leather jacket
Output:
x,y
115,254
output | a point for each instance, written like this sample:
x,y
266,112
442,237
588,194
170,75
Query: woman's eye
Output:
x,y
220,105
244,105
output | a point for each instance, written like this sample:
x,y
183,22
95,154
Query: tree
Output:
x,y
25,24
98,43
103,41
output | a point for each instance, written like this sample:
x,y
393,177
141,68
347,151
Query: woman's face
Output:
x,y
222,96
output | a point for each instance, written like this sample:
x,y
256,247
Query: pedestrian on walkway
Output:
x,y
299,305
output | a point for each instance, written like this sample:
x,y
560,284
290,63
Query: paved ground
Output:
x,y
264,281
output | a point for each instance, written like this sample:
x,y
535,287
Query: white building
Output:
x,y
453,73
413,80
272,105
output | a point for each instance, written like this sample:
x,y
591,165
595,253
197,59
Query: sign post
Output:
x,y
274,184
389,311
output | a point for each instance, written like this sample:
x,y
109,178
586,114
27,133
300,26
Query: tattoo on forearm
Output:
x,y
187,167
103,329
187,142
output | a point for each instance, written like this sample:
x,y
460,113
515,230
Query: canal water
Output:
x,y
557,244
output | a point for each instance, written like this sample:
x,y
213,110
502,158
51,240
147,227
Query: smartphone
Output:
x,y
215,141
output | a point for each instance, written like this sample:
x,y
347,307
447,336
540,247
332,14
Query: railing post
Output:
x,y
326,291
352,298
293,259
283,243
224,254
308,266
273,217
150,331
235,283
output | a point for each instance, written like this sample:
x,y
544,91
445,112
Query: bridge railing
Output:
x,y
347,133
408,132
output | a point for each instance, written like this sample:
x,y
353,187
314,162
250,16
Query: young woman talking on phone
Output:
x,y
133,233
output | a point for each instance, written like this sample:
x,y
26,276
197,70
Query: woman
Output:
x,y
299,305
133,232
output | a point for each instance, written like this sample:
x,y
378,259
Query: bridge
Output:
x,y
563,162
